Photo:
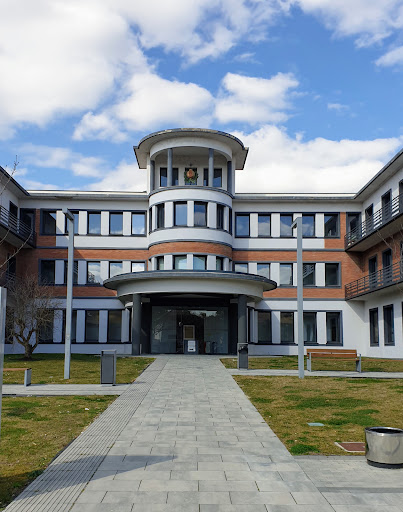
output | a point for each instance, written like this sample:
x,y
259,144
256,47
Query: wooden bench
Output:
x,y
330,353
27,374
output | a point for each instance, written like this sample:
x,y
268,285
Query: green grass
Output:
x,y
344,406
369,364
85,369
34,430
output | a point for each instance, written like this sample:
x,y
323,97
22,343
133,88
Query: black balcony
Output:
x,y
382,224
15,231
384,278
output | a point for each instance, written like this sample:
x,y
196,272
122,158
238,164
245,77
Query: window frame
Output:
x,y
305,215
180,203
109,311
89,283
292,313
304,284
221,216
158,259
235,263
201,256
138,261
110,217
269,313
75,275
160,217
327,264
373,327
42,222
165,176
292,274
42,282
113,262
389,328
217,174
258,224
95,212
238,215
144,214
266,263
337,215
315,316
86,340
292,220
340,328
200,203
184,256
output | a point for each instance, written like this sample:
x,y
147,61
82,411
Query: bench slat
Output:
x,y
15,369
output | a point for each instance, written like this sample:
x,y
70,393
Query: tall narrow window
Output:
x,y
114,326
387,270
160,215
369,219
163,177
48,222
286,277
242,225
217,180
47,275
332,274
287,326
386,206
388,325
199,262
94,272
75,223
115,268
180,262
353,226
309,328
220,216
91,326
230,221
373,327
331,225
333,328
200,214
308,225
219,263
73,333
263,225
160,262
175,176
181,213
264,327
116,223
150,220
285,225
373,272
138,223
205,177
94,223
308,274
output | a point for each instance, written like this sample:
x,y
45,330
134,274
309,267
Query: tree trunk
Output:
x,y
28,351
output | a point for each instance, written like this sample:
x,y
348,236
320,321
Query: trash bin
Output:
x,y
108,367
384,446
191,347
243,363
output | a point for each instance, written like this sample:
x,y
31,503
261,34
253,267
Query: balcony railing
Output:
x,y
375,281
16,226
375,221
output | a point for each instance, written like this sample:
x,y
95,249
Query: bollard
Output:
x,y
243,363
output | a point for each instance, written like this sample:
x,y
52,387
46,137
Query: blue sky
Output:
x,y
313,87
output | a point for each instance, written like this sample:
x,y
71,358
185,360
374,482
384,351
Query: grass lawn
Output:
x,y
34,430
369,364
85,369
344,406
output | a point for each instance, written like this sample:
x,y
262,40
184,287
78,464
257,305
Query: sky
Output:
x,y
312,87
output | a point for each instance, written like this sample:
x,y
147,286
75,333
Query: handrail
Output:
x,y
17,226
375,221
376,280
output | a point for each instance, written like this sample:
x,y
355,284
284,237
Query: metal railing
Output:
x,y
17,226
6,277
375,221
375,281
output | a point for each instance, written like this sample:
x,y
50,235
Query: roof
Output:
x,y
6,178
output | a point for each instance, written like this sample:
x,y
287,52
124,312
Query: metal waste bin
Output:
x,y
108,367
243,363
384,446
191,347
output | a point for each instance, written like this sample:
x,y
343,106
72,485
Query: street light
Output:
x,y
69,298
3,303
300,297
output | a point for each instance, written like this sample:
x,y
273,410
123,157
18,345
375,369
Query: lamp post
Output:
x,y
3,302
69,298
300,297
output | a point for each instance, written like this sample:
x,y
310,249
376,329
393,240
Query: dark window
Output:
x,y
353,223
230,221
310,328
180,262
373,272
219,263
333,328
242,225
13,217
373,327
114,326
160,263
205,177
331,225
263,225
150,220
387,270
94,272
386,206
138,223
138,266
160,215
92,326
199,262
264,327
115,268
116,223
48,222
308,225
47,272
217,180
285,225
287,326
175,176
180,214
369,219
388,325
286,274
73,332
163,177
308,272
46,332
332,274
13,209
94,223
75,223
11,267
75,272
241,267
200,214
27,216
263,269
220,216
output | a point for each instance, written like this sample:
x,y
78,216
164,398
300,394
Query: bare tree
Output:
x,y
30,311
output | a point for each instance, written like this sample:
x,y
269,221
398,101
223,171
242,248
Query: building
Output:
x,y
190,260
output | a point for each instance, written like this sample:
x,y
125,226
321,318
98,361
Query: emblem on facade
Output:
x,y
191,176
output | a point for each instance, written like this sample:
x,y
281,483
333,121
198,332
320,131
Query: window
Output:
x,y
373,327
308,225
199,262
116,223
333,328
94,223
386,206
47,275
241,267
46,332
181,214
73,332
138,223
75,223
219,263
230,221
94,272
287,326
160,215
264,327
331,225
285,225
27,216
115,268
220,216
150,220
163,177
48,222
160,262
114,326
205,177
217,180
286,278
332,274
75,272
388,325
138,266
309,328
91,326
175,176
263,225
308,272
180,262
242,227
369,219
200,214
353,223
373,272
263,269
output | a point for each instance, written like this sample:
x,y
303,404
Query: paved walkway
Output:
x,y
184,437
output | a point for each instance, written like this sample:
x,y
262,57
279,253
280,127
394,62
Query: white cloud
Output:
x,y
280,163
338,107
391,58
98,126
253,100
126,177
